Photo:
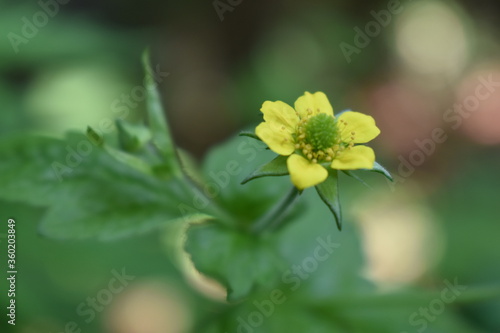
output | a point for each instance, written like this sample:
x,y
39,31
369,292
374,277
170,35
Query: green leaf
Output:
x,y
333,297
87,191
328,192
161,136
121,156
227,165
380,169
132,137
191,167
94,137
130,160
277,167
239,261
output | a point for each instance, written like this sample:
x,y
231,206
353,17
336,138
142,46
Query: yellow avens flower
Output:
x,y
314,139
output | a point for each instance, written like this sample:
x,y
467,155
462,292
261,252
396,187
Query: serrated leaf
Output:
x,y
87,191
328,192
131,160
161,136
377,167
276,167
121,156
239,261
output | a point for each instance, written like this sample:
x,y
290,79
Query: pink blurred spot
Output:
x,y
482,125
403,113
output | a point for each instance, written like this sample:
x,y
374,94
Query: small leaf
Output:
x,y
276,167
132,137
380,169
94,137
123,157
130,160
329,193
158,125
250,135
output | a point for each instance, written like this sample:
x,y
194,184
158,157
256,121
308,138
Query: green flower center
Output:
x,y
318,138
321,132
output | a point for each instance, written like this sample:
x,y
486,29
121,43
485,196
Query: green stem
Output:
x,y
273,218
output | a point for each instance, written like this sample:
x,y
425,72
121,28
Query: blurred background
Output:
x,y
427,71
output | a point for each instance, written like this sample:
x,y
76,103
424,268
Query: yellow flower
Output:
x,y
314,139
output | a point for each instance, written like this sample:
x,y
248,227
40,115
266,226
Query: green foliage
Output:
x,y
90,195
225,168
304,276
280,276
160,131
239,260
93,189
132,137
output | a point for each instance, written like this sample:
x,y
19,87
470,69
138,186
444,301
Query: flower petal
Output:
x,y
304,173
280,114
316,103
363,126
278,139
357,157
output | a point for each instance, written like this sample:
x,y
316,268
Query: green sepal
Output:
x,y
276,167
250,135
353,175
329,192
380,169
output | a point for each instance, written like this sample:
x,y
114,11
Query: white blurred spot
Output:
x,y
148,307
401,237
431,39
74,97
